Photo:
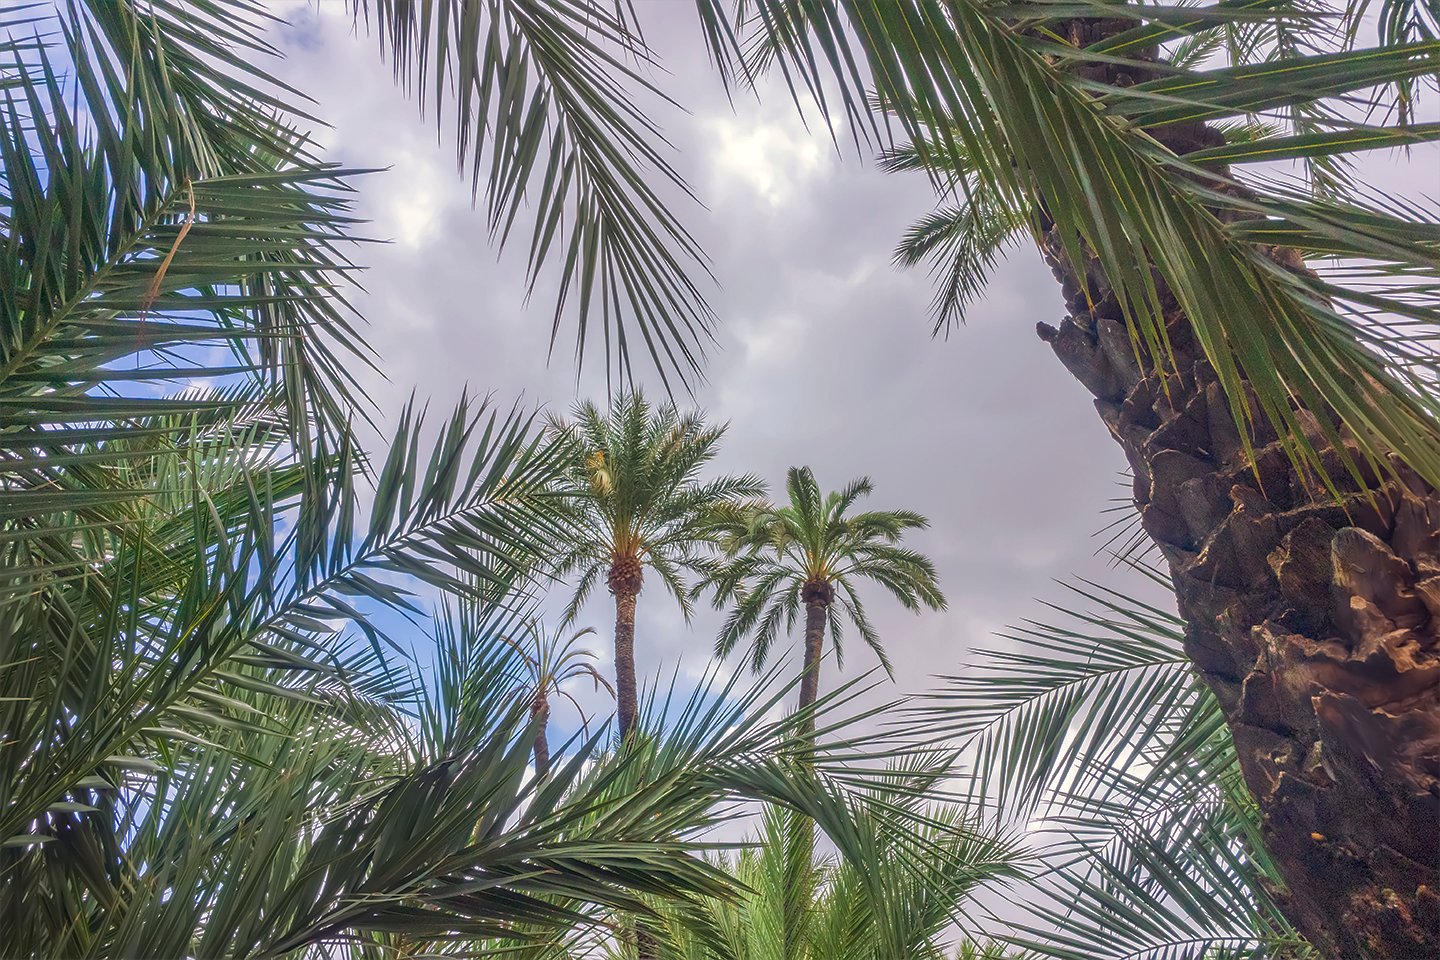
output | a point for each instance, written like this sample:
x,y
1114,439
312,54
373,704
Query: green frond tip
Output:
x,y
554,110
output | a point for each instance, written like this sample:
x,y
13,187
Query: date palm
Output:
x,y
637,500
812,554
1268,477
552,660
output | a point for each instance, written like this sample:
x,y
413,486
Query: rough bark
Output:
x,y
540,715
1315,621
625,579
817,597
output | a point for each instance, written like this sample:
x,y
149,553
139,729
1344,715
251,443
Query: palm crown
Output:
x,y
637,500
800,907
810,554
551,660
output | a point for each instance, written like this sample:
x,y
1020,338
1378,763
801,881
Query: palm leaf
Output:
x,y
1038,137
1096,733
553,110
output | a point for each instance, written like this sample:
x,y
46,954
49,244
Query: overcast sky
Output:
x,y
825,355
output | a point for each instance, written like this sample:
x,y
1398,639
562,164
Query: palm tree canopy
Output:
x,y
963,79
897,900
552,659
635,492
776,553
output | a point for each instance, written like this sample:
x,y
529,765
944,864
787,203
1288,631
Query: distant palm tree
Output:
x,y
551,660
637,500
810,553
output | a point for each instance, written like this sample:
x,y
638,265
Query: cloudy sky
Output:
x,y
825,355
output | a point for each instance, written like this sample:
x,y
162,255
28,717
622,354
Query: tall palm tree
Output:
x,y
552,660
637,500
813,554
1270,478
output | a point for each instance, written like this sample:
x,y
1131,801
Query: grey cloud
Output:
x,y
825,355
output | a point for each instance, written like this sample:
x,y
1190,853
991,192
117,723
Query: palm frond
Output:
x,y
554,110
1036,135
1095,732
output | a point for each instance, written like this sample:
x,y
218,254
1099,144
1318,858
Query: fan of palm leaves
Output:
x,y
796,906
342,814
1093,730
549,100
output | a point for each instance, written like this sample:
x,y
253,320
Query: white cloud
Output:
x,y
765,149
410,211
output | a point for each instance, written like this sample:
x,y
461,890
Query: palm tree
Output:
x,y
1271,481
637,500
810,554
552,661
899,903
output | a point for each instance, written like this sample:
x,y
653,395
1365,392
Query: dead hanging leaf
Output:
x,y
152,293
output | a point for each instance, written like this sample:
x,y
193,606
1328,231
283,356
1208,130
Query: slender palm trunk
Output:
x,y
540,714
1315,622
626,577
817,597
626,703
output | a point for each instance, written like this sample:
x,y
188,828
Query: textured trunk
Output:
x,y
626,704
1316,623
625,580
817,597
540,714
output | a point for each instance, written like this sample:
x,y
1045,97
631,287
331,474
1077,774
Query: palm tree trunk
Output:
x,y
817,598
540,714
1316,623
626,577
626,702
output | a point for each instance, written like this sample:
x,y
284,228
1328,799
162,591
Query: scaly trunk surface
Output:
x,y
625,580
817,597
1315,622
540,714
